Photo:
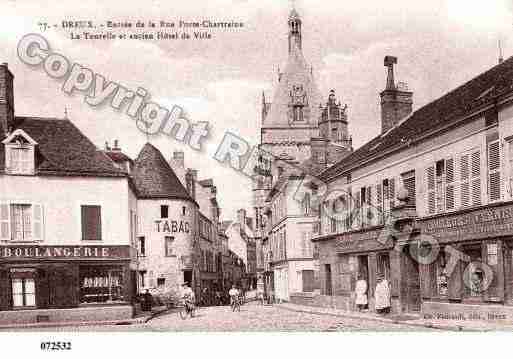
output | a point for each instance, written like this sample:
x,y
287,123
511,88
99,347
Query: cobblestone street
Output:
x,y
252,317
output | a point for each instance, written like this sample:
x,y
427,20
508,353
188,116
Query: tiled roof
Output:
x,y
154,178
434,116
62,149
118,156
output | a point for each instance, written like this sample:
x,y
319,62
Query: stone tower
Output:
x,y
291,119
333,122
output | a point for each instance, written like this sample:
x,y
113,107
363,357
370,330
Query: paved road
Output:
x,y
251,318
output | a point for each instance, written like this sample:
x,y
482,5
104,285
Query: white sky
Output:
x,y
440,45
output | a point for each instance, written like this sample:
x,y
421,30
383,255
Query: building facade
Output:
x,y
426,204
67,211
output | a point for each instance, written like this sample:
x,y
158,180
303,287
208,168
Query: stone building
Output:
x,y
426,204
67,222
299,135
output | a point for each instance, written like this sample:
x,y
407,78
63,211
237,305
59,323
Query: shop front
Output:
x,y
470,277
62,283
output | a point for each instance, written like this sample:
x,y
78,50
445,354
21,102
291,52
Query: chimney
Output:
x,y
179,158
7,121
116,146
319,148
396,100
190,179
241,216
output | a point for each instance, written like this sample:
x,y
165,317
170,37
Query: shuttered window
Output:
x,y
476,177
409,185
21,222
379,203
430,193
494,175
450,185
91,223
465,180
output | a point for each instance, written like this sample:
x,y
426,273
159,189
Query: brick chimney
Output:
x,y
7,121
191,178
396,100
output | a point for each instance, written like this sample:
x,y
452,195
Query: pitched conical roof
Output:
x,y
154,178
297,73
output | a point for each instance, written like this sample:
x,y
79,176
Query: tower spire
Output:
x,y
294,23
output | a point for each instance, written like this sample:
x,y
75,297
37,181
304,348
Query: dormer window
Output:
x,y
19,153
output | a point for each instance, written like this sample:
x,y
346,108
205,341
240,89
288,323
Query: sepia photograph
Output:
x,y
255,167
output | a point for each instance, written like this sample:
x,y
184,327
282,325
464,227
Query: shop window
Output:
x,y
141,246
161,282
164,211
383,261
169,246
23,290
91,223
101,284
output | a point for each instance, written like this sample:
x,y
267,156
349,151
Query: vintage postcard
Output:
x,y
255,166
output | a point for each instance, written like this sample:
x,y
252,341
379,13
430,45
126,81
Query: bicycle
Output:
x,y
188,308
235,304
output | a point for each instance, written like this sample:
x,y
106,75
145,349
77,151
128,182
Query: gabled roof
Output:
x,y
154,178
443,112
62,149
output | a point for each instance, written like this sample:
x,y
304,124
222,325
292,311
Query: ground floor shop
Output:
x,y
292,277
36,282
457,265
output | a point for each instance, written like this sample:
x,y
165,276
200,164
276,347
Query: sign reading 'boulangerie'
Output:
x,y
61,252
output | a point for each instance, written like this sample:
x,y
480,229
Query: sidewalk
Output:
x,y
140,318
451,325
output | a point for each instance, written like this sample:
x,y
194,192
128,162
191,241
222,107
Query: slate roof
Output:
x,y
445,111
154,178
63,149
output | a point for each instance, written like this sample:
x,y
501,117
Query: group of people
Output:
x,y
381,294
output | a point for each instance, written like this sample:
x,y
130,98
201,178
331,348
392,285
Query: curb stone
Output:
x,y
448,327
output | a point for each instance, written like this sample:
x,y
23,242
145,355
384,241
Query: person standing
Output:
x,y
382,295
361,293
147,301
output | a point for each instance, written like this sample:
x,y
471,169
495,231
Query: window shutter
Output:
x,y
379,203
37,222
450,185
494,175
476,177
357,210
5,222
91,223
430,193
391,188
465,180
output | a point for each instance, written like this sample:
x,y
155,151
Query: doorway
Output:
x,y
328,287
187,277
411,294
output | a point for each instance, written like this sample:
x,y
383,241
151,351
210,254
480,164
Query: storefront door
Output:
x,y
412,282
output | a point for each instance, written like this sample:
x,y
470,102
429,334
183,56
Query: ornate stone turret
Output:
x,y
333,122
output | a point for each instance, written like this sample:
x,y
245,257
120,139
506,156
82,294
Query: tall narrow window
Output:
x,y
409,185
465,180
91,223
21,222
450,185
169,246
494,175
439,185
431,197
476,177
142,246
164,211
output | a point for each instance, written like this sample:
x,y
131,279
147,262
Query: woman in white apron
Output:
x,y
361,293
